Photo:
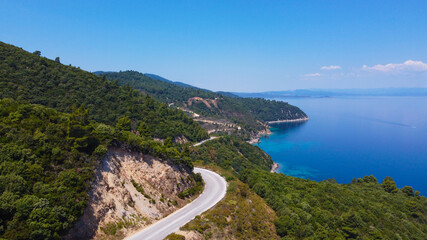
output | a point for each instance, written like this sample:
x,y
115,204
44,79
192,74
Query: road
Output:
x,y
215,188
200,143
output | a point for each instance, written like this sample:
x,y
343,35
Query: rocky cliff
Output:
x,y
130,191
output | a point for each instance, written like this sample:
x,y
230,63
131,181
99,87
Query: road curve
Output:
x,y
200,143
215,189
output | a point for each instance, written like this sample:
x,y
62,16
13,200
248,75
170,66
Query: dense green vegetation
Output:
x,y
230,152
175,236
160,90
243,111
44,171
198,186
47,157
34,79
363,209
47,160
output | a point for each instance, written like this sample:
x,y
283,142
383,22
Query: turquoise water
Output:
x,y
353,137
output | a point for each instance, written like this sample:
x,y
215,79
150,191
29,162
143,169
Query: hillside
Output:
x,y
130,191
34,79
47,164
53,156
241,215
363,209
242,116
232,153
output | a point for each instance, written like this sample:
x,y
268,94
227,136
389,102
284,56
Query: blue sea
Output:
x,y
349,137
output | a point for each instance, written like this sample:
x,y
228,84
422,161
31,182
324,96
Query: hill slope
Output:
x,y
249,114
34,79
48,158
363,209
47,162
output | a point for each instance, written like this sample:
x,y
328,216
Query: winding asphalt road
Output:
x,y
200,143
215,189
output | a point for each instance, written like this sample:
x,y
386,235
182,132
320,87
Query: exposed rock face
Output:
x,y
133,188
207,102
180,139
256,138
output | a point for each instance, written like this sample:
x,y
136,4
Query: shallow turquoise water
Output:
x,y
353,137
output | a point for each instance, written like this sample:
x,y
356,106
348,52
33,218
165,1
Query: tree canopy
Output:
x,y
247,112
34,79
47,159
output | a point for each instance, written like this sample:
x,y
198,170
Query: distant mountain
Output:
x,y
228,94
101,72
181,84
154,76
338,92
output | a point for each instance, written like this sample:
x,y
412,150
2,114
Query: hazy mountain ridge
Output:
x,y
154,76
337,92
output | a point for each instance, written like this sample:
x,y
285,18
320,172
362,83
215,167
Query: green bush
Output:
x,y
197,181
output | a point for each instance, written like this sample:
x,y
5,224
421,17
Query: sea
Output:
x,y
350,137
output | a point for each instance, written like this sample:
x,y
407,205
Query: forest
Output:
x,y
47,160
34,79
247,112
363,209
230,152
56,123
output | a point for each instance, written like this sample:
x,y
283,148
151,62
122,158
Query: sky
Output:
x,y
243,46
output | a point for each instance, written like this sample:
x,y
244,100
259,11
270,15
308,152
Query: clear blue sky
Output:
x,y
232,45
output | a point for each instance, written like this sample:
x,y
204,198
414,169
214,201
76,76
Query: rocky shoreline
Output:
x,y
263,133
267,132
274,167
289,120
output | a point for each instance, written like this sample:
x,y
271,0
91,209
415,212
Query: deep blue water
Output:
x,y
353,137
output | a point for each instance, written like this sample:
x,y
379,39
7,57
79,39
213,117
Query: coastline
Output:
x,y
263,133
289,120
253,141
267,132
274,167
